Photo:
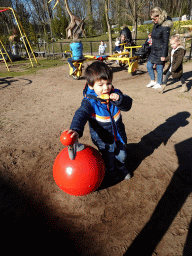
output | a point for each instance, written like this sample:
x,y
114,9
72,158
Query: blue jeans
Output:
x,y
72,59
70,62
114,156
159,68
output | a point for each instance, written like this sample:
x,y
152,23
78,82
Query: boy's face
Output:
x,y
174,44
102,87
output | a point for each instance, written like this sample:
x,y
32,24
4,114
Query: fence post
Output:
x,y
91,47
190,50
45,46
61,48
53,51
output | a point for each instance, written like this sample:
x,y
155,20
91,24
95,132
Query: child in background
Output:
x,y
102,47
149,40
101,107
117,46
147,45
77,52
124,41
175,67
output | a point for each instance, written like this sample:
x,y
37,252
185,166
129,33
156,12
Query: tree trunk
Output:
x,y
90,17
109,27
50,25
135,21
180,12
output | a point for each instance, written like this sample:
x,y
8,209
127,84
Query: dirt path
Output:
x,y
148,215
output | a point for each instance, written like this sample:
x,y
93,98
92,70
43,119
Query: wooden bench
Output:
x,y
39,54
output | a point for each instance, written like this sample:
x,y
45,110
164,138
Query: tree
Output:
x,y
6,18
59,22
108,25
134,9
42,13
23,16
89,18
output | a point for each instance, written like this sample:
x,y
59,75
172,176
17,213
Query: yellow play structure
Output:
x,y
4,53
125,57
22,33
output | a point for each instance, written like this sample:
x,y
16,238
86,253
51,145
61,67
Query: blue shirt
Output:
x,y
77,50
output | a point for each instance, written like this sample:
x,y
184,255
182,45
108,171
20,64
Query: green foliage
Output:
x,y
31,35
59,23
149,27
145,28
177,24
4,39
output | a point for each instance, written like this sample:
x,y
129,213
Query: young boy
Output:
x,y
102,47
101,106
175,67
77,52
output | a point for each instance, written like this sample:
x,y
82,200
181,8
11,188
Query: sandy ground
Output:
x,y
147,215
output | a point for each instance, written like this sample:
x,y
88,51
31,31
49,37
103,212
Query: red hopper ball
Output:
x,y
66,139
82,175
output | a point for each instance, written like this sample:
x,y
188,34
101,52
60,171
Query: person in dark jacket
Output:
x,y
101,107
126,31
175,59
159,48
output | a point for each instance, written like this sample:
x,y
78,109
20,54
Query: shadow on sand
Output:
x,y
7,81
168,207
176,193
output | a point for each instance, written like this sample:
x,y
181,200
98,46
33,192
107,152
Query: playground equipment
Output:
x,y
22,33
5,53
129,58
78,65
125,57
78,169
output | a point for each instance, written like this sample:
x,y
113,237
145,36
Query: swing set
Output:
x,y
23,35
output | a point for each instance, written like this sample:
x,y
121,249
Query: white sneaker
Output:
x,y
151,84
156,86
128,176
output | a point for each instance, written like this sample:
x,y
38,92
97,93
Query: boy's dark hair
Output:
x,y
98,70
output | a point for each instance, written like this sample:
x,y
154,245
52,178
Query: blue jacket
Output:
x,y
105,120
77,50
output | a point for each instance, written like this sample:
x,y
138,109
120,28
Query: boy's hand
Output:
x,y
73,133
114,96
69,137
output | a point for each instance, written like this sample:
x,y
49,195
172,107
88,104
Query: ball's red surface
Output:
x,y
82,175
66,139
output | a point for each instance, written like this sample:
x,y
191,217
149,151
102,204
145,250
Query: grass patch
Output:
x,y
23,67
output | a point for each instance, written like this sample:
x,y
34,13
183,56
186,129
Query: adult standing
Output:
x,y
159,48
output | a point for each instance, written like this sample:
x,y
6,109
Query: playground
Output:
x,y
151,213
